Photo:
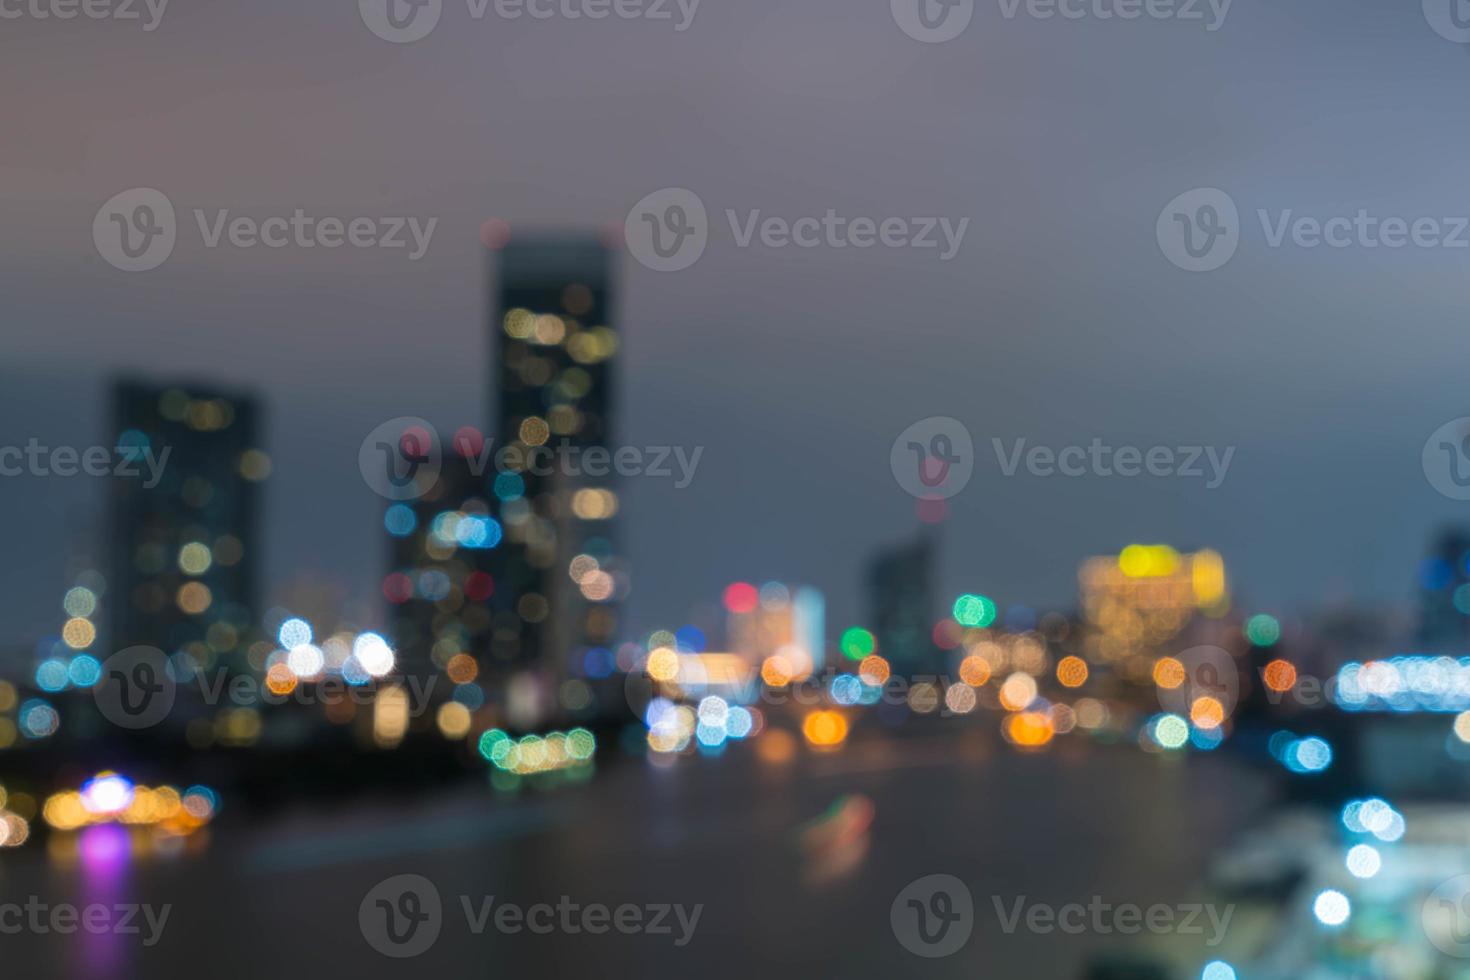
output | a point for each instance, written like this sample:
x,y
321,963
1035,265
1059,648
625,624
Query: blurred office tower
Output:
x,y
558,578
503,570
901,606
1444,594
185,552
1150,601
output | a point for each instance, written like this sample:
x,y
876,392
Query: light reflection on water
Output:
x,y
106,857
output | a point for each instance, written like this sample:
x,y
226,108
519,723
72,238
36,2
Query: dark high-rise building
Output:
x,y
508,557
185,542
559,576
901,606
1444,594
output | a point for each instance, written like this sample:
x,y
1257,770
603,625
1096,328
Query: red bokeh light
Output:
x,y
468,441
479,586
741,597
397,587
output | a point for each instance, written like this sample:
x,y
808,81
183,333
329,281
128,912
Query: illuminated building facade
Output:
x,y
780,621
185,552
1147,596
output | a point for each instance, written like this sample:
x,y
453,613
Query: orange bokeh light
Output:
x,y
824,728
975,670
1279,675
1072,672
1168,673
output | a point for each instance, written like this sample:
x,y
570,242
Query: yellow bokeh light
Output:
x,y
453,720
78,633
534,431
195,558
663,664
1148,560
1018,691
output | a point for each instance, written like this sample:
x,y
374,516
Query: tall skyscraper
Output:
x,y
185,551
504,572
901,604
559,577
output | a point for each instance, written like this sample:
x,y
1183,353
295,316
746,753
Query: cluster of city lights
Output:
x,y
1405,684
672,727
110,798
1139,598
533,755
356,659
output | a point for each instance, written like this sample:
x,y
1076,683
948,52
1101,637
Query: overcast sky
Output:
x,y
1058,321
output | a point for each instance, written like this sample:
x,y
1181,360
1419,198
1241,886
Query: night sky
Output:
x,y
1059,320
